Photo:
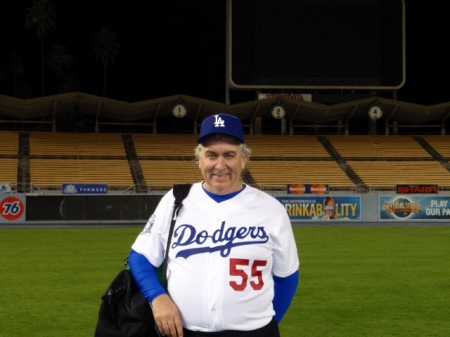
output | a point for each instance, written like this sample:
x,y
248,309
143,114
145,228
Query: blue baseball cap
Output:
x,y
221,123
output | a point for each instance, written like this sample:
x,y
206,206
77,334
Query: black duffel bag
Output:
x,y
124,311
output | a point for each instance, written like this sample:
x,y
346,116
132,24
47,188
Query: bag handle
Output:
x,y
180,192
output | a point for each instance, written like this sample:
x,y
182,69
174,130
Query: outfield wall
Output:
x,y
31,209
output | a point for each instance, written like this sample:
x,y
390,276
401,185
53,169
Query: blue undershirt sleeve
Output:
x,y
145,276
284,288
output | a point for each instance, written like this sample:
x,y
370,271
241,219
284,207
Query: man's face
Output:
x,y
221,163
329,208
329,211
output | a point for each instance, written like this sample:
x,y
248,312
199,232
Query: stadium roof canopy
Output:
x,y
298,113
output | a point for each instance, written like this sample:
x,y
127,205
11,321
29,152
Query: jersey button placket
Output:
x,y
215,261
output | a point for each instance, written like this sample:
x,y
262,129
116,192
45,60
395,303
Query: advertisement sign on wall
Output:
x,y
414,207
5,188
84,188
322,207
307,189
417,189
12,209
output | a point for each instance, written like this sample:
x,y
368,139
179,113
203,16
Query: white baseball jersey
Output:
x,y
223,257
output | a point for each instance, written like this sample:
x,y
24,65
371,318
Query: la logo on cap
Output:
x,y
219,122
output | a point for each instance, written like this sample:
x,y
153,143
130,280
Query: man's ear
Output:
x,y
244,161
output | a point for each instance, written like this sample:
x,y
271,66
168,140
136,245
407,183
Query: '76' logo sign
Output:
x,y
11,208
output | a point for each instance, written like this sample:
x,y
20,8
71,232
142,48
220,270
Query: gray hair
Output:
x,y
246,151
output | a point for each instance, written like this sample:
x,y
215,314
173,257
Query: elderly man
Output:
x,y
233,265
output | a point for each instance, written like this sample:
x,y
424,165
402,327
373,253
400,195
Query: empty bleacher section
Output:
x,y
45,160
76,144
269,174
162,174
377,146
9,144
52,172
382,162
58,157
385,174
8,170
292,159
441,144
294,147
164,145
166,159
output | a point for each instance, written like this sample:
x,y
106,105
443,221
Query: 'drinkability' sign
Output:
x,y
322,207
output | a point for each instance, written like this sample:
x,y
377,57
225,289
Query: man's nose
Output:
x,y
220,164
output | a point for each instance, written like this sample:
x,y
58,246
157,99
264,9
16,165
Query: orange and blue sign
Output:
x,y
307,189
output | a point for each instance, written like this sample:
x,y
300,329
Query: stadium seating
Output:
x,y
270,174
292,146
160,160
440,143
164,145
382,162
162,174
9,143
377,146
50,173
76,144
59,157
386,174
8,169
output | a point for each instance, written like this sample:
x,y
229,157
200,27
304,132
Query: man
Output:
x,y
233,264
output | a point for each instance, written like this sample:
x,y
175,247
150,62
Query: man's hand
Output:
x,y
167,316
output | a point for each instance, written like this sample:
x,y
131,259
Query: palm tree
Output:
x,y
16,65
41,16
105,48
2,72
61,62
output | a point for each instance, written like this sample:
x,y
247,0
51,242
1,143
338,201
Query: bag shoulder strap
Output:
x,y
180,192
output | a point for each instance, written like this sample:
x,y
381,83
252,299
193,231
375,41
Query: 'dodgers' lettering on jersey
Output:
x,y
186,235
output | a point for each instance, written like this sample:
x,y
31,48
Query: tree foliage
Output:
x,y
105,48
61,62
41,15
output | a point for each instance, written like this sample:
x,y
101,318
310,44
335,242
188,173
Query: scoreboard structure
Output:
x,y
316,44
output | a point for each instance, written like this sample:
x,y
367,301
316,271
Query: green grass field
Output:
x,y
355,280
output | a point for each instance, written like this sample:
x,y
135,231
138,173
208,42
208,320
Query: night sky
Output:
x,y
178,47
